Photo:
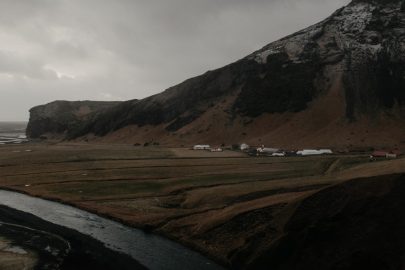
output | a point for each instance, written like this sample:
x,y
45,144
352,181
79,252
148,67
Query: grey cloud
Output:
x,y
15,65
124,49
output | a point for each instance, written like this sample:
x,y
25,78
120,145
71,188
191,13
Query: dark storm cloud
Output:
x,y
123,49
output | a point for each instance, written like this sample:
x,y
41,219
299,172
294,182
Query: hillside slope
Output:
x,y
355,225
337,83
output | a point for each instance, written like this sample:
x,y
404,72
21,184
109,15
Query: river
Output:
x,y
152,251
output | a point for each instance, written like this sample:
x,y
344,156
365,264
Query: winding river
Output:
x,y
152,251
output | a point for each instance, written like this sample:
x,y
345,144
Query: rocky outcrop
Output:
x,y
57,117
359,52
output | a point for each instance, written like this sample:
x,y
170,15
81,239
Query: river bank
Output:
x,y
57,247
150,250
13,257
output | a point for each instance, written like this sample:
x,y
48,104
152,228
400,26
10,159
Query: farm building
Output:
x,y
266,150
313,152
278,154
201,147
379,154
244,147
391,155
326,151
384,154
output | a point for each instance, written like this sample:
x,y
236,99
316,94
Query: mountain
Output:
x,y
56,118
338,83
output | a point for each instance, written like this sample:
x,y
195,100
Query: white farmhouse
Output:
x,y
326,151
201,147
314,152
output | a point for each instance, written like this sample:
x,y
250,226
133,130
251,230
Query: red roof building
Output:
x,y
377,154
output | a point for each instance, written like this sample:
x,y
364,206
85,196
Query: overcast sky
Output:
x,y
126,49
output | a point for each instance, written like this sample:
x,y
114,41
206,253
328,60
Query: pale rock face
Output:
x,y
261,57
354,18
349,26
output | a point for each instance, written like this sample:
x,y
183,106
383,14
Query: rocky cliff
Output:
x,y
57,117
344,76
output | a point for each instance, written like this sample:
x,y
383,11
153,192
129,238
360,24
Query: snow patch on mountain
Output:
x,y
355,18
261,57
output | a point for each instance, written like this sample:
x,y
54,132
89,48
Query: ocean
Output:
x,y
12,132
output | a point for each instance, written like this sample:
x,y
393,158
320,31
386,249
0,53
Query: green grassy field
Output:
x,y
190,196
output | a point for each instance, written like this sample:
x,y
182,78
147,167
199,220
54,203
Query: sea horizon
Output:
x,y
14,121
12,132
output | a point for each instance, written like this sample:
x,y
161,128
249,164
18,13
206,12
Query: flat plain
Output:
x,y
225,205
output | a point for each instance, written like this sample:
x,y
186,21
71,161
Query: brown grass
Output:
x,y
195,197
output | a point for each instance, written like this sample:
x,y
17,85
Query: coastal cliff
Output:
x,y
56,118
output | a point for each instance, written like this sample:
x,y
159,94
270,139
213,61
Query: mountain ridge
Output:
x,y
353,61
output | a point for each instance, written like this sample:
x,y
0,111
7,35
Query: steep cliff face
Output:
x,y
348,68
374,77
57,117
365,41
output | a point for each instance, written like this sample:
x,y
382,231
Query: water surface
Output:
x,y
150,250
12,132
